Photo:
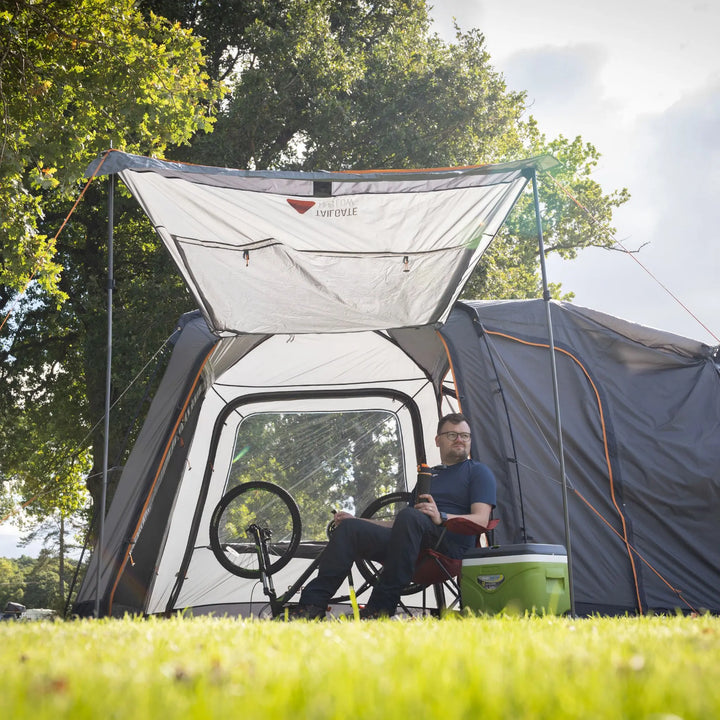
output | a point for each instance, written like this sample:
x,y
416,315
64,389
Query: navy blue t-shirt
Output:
x,y
455,488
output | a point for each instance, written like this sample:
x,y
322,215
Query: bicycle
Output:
x,y
256,530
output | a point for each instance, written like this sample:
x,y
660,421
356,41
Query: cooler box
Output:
x,y
516,578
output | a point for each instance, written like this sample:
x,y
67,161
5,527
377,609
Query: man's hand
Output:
x,y
428,507
340,516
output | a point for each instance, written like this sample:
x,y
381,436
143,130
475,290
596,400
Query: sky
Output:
x,y
640,80
9,547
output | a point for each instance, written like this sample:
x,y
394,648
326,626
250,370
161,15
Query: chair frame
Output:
x,y
446,569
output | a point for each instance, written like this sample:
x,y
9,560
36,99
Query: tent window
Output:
x,y
326,460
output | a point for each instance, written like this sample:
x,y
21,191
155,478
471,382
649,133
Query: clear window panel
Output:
x,y
326,460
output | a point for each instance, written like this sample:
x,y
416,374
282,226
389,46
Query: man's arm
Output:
x,y
479,512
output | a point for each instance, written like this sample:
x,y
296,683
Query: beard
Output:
x,y
455,455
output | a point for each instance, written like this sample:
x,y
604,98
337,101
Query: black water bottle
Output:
x,y
423,482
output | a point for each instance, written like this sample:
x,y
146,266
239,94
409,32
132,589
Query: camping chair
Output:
x,y
441,572
433,569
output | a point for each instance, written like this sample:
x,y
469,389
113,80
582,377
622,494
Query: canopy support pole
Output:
x,y
108,378
556,392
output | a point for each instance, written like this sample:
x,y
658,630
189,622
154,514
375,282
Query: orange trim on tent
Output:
x,y
411,170
605,446
180,416
450,363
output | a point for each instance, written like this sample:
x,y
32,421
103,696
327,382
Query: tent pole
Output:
x,y
108,376
556,392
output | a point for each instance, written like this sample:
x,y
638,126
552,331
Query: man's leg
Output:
x,y
411,532
351,540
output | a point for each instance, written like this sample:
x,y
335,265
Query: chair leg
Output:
x,y
439,590
455,588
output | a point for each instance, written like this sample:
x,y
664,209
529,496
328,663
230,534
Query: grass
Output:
x,y
655,668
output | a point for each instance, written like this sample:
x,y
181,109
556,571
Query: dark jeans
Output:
x,y
396,547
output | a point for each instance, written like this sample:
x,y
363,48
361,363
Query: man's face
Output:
x,y
454,450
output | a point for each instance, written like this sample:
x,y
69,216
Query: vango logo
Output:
x,y
302,206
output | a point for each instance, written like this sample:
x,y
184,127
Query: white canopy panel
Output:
x,y
290,252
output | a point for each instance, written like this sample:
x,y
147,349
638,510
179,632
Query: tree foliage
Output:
x,y
328,84
76,78
35,582
575,213
355,85
96,73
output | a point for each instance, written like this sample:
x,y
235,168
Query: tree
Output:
x,y
34,582
346,84
510,268
77,77
325,84
98,74
12,582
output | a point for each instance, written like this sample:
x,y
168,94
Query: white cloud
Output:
x,y
681,181
686,167
563,86
563,75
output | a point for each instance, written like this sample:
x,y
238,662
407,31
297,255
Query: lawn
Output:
x,y
656,668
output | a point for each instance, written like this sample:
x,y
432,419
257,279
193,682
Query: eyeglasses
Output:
x,y
453,436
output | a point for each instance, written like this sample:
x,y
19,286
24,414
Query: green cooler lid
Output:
x,y
522,549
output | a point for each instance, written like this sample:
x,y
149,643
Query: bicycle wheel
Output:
x,y
385,507
263,504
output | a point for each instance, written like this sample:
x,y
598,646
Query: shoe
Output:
x,y
373,614
303,612
369,614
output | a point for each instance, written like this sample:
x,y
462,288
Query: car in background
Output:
x,y
13,611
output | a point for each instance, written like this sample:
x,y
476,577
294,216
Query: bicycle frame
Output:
x,y
277,603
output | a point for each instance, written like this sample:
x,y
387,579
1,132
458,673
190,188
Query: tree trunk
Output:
x,y
61,563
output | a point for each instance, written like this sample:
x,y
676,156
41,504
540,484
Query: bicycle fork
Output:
x,y
261,536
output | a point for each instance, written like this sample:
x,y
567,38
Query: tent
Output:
x,y
328,341
641,417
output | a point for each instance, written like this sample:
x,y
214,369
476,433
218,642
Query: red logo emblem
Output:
x,y
302,206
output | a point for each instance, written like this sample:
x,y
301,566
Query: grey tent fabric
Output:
x,y
340,251
641,416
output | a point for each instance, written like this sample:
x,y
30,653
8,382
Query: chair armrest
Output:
x,y
463,526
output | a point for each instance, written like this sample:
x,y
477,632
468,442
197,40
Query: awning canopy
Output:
x,y
293,252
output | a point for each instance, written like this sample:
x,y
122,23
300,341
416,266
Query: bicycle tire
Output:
x,y
267,505
384,508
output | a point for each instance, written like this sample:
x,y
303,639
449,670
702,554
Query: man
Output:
x,y
459,487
